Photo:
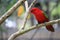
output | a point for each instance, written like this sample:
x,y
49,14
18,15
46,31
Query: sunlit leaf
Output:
x,y
20,10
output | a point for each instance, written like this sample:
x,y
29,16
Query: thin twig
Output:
x,y
34,34
26,5
32,28
10,11
13,36
26,16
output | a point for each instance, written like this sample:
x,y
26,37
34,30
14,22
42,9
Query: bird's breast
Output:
x,y
40,18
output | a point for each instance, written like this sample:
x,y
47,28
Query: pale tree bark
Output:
x,y
19,33
10,11
13,36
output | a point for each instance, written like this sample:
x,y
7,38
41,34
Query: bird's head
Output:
x,y
33,10
37,7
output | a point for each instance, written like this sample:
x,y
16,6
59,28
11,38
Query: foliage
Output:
x,y
56,12
7,4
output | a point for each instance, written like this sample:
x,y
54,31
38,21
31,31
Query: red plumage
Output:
x,y
41,18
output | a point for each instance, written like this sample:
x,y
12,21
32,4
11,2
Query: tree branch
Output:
x,y
32,28
10,11
13,36
26,15
26,5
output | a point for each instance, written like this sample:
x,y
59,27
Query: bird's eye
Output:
x,y
32,10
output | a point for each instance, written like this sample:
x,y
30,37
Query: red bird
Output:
x,y
41,18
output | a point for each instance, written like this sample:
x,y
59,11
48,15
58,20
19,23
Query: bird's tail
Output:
x,y
50,28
